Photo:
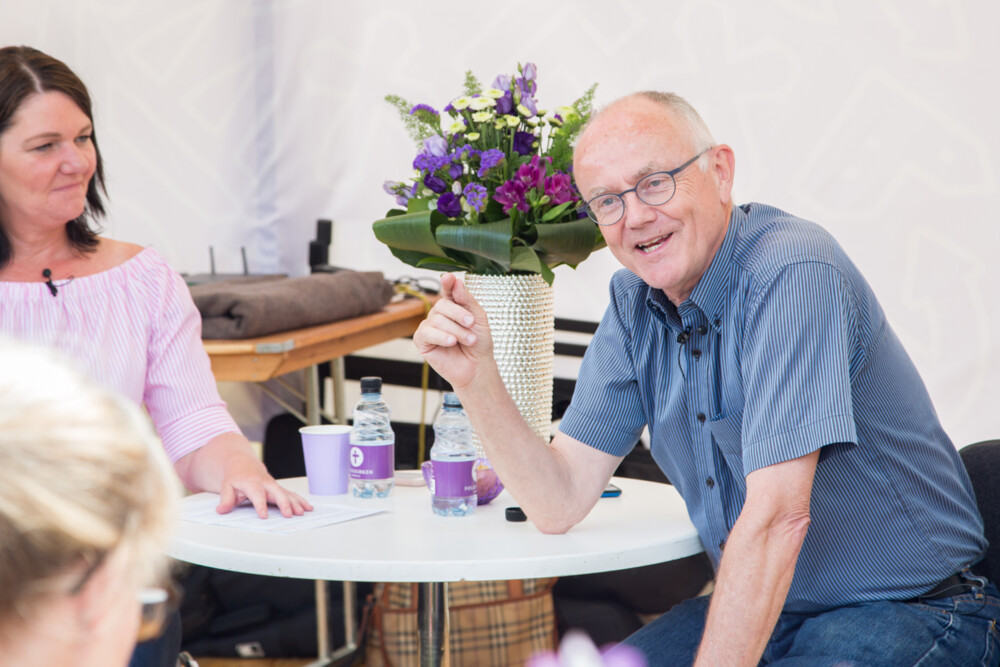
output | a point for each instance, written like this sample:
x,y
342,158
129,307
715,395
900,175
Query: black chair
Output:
x,y
982,461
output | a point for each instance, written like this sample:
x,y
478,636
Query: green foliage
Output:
x,y
416,125
471,86
563,138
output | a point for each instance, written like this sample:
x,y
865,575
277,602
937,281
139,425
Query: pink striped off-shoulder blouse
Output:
x,y
135,329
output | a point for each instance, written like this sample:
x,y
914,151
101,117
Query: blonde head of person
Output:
x,y
87,503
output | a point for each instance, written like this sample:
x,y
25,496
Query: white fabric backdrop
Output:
x,y
240,122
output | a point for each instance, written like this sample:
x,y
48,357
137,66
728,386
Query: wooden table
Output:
x,y
269,357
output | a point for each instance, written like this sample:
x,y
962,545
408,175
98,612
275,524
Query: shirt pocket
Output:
x,y
727,434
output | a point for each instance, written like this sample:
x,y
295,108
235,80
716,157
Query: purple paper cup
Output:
x,y
326,449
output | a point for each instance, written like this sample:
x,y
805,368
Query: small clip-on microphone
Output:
x,y
48,281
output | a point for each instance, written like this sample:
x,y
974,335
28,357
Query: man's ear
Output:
x,y
724,167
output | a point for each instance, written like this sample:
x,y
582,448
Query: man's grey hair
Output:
x,y
693,127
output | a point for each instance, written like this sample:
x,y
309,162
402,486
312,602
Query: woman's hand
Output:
x,y
227,465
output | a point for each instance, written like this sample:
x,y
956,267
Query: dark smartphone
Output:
x,y
611,491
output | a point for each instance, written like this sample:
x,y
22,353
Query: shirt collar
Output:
x,y
709,295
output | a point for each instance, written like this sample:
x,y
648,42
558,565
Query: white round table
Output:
x,y
646,524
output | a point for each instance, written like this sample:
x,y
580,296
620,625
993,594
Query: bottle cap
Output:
x,y
371,385
450,400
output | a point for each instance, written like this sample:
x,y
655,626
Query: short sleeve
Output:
x,y
797,360
606,411
180,392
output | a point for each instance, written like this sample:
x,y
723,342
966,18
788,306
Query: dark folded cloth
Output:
x,y
249,309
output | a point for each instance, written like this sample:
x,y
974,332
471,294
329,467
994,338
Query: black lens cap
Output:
x,y
515,514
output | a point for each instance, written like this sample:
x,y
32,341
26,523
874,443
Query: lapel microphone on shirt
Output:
x,y
683,336
48,281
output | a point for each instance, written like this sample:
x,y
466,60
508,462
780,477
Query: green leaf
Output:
x,y
526,259
418,205
554,213
567,242
492,240
410,231
442,264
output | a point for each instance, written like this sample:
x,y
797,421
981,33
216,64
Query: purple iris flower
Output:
x,y
529,102
398,190
436,146
559,188
475,194
529,71
430,163
522,143
532,174
449,205
511,194
455,170
435,183
489,159
505,104
502,82
424,107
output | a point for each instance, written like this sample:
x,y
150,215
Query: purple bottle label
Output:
x,y
454,479
372,461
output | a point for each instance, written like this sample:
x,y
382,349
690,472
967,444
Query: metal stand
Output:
x,y
432,607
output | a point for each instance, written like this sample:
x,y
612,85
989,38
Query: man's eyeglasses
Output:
x,y
655,189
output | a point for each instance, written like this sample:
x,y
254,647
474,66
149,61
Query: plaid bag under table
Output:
x,y
490,623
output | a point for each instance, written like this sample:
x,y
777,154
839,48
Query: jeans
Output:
x,y
959,631
162,651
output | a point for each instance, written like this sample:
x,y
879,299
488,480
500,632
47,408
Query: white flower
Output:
x,y
494,93
456,127
524,111
482,116
461,103
472,136
480,103
513,121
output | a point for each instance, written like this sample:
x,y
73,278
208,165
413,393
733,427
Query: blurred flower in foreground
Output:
x,y
577,650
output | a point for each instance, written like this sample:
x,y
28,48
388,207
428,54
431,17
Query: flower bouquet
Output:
x,y
492,193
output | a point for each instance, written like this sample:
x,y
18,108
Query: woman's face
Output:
x,y
47,158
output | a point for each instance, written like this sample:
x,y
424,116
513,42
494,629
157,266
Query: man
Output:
x,y
779,403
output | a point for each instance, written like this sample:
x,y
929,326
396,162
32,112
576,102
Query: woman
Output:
x,y
116,308
87,502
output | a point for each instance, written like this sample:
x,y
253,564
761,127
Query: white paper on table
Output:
x,y
244,517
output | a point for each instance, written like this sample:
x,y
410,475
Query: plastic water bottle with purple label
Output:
x,y
453,456
373,450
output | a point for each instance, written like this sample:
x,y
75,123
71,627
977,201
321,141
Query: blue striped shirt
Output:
x,y
787,352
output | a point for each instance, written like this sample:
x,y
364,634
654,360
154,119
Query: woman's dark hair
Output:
x,y
25,71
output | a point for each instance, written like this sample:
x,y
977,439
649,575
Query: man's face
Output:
x,y
672,245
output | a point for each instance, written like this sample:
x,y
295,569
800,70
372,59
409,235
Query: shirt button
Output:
x,y
701,417
702,330
710,482
696,354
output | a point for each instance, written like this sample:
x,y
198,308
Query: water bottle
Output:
x,y
373,451
453,488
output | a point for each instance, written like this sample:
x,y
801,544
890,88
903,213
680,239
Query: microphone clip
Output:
x,y
47,274
683,336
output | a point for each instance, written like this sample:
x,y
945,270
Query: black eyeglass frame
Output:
x,y
621,195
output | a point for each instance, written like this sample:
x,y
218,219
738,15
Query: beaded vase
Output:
x,y
522,323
